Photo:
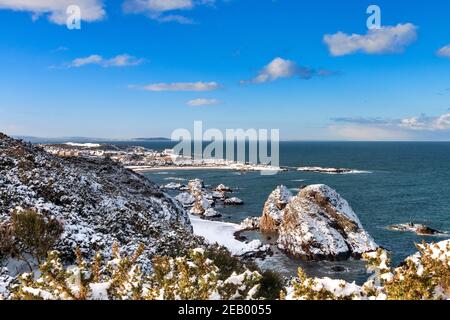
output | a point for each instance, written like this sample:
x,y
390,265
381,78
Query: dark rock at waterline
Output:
x,y
419,229
338,269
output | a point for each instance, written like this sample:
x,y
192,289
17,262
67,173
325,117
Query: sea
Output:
x,y
394,182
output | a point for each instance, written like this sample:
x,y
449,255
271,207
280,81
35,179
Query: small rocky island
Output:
x,y
417,228
316,224
201,201
331,170
319,224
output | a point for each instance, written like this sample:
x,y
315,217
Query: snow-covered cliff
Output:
x,y
98,202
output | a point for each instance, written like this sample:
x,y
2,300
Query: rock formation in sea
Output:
x,y
315,224
417,228
203,206
173,186
223,188
325,170
234,201
319,224
201,201
250,223
274,209
198,199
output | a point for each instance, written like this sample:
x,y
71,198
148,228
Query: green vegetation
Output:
x,y
29,236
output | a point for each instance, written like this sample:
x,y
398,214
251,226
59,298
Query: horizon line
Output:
x,y
136,139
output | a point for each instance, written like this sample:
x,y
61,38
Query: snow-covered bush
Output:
x,y
271,283
120,278
28,236
305,288
193,277
196,277
425,275
6,240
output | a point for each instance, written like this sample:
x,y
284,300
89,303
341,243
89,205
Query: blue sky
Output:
x,y
142,68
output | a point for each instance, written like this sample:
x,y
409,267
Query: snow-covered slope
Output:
x,y
223,233
97,201
319,224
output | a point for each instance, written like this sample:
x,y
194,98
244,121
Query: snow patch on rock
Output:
x,y
273,211
223,233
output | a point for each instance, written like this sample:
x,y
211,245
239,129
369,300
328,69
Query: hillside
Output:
x,y
97,201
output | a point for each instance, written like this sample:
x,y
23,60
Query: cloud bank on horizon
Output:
x,y
361,128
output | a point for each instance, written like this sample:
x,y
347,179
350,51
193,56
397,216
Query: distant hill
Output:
x,y
152,139
34,139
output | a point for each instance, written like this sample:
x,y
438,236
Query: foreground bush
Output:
x,y
191,277
271,283
29,236
205,275
196,277
423,276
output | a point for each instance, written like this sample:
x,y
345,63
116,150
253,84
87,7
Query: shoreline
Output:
x,y
174,168
140,169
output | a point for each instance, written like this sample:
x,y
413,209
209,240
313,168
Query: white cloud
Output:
x,y
444,51
390,39
59,49
161,10
122,60
91,10
202,102
180,86
280,68
92,59
175,18
157,5
277,68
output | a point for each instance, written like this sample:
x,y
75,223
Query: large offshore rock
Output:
x,y
319,224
